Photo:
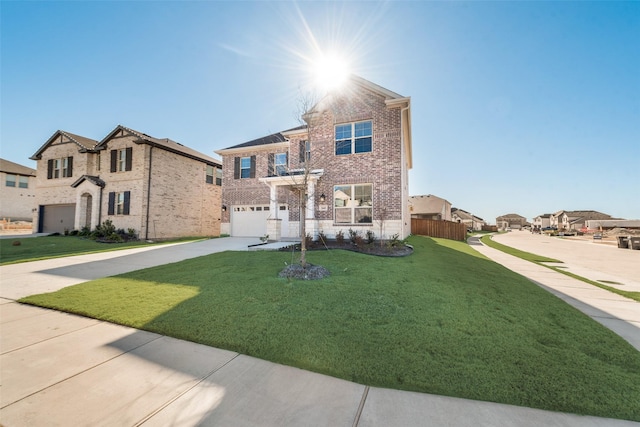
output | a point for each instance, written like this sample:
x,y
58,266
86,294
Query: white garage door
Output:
x,y
251,221
57,218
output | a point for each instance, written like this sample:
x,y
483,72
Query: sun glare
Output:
x,y
330,71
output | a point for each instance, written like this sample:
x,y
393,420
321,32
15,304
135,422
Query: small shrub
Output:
x,y
74,233
395,241
340,237
358,240
321,236
66,231
105,229
115,237
371,236
308,240
16,243
131,232
85,231
353,235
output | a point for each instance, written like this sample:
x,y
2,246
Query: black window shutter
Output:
x,y
270,171
302,150
252,171
127,196
49,168
129,159
236,168
114,160
69,166
286,159
112,203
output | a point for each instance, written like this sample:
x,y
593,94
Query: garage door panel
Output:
x,y
58,218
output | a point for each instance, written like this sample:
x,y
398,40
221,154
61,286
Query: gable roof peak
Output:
x,y
85,144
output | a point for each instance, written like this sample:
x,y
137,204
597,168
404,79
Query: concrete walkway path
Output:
x,y
59,369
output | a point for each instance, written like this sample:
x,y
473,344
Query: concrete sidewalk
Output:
x,y
62,369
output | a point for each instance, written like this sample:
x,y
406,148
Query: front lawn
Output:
x,y
44,247
443,320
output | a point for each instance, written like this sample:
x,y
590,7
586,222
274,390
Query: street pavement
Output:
x,y
61,369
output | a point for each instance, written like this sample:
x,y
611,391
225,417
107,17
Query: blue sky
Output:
x,y
524,107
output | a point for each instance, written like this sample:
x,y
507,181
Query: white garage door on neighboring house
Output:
x,y
57,218
251,220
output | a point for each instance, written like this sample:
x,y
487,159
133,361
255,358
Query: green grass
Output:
x,y
540,260
45,247
444,320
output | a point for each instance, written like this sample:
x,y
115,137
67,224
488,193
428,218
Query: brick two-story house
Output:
x,y
351,155
157,187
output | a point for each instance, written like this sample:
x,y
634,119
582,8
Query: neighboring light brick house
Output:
x,y
355,150
157,187
430,207
17,191
511,220
472,222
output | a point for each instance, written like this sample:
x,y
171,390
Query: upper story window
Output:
x,y
305,151
280,162
214,174
23,181
353,204
10,180
277,164
354,138
60,168
121,160
98,158
244,167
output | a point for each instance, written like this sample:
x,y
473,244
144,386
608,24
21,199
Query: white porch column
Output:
x,y
311,200
273,200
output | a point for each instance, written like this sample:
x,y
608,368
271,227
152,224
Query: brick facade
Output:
x,y
167,191
385,166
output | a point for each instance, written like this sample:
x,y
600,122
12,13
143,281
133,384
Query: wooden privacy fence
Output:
x,y
442,229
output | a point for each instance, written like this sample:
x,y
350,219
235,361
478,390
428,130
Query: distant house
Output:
x,y
511,220
157,187
542,221
17,191
575,220
349,161
430,207
471,221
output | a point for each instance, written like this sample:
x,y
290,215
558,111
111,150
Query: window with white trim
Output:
x,y
280,163
23,181
354,138
122,160
245,167
353,204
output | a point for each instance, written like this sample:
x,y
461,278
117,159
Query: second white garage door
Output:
x,y
251,221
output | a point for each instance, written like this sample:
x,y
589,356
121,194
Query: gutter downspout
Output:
x,y
405,178
100,207
146,232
